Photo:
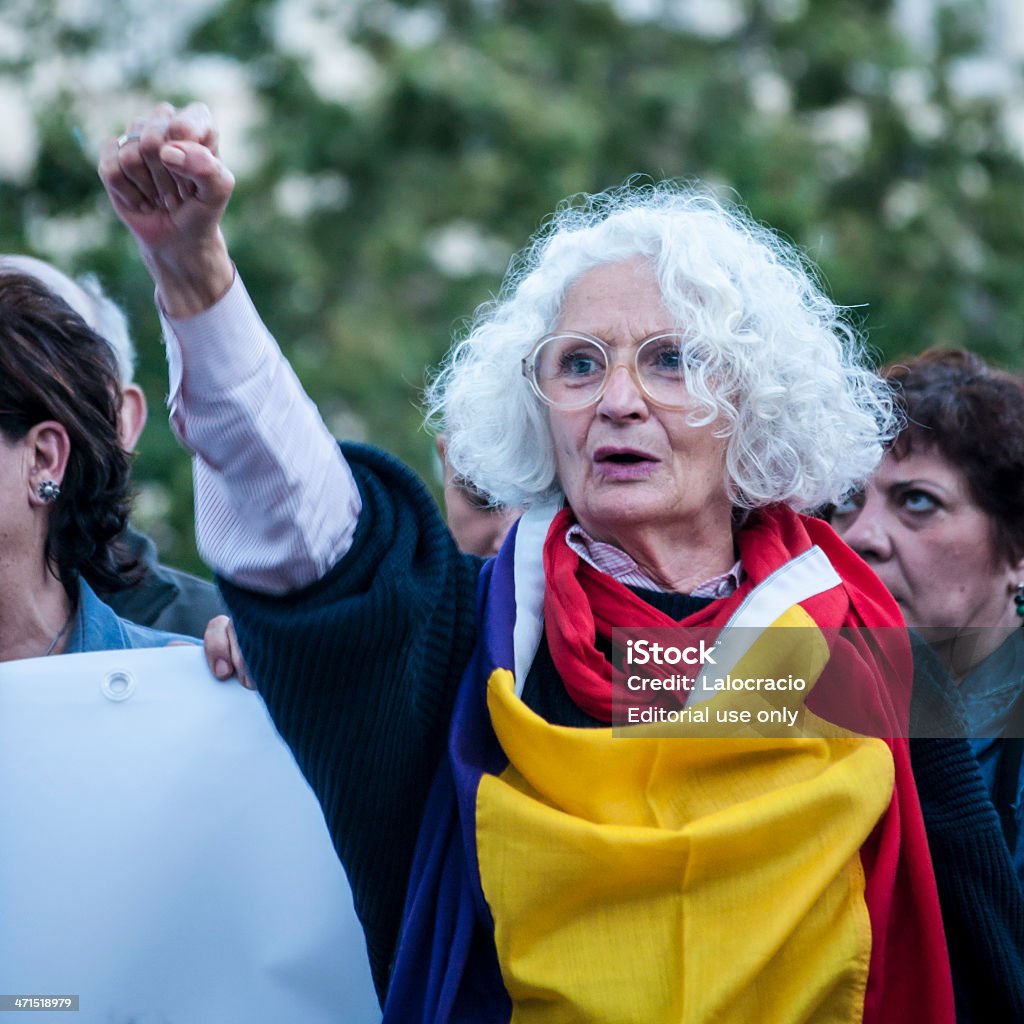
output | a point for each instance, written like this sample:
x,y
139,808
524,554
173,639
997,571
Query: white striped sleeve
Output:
x,y
276,505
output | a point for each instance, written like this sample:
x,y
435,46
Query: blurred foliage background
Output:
x,y
391,156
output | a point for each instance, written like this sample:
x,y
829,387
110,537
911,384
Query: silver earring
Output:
x,y
48,491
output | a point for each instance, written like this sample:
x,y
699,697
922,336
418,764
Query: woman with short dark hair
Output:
x,y
941,524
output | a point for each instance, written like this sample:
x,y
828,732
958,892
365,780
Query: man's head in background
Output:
x,y
478,527
104,316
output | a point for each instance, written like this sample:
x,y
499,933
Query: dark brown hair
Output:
x,y
973,414
54,367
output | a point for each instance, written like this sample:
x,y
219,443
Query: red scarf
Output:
x,y
582,604
909,975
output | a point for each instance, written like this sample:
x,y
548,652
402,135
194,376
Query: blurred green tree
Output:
x,y
398,153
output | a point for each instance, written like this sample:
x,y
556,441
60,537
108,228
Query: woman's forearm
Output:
x,y
276,505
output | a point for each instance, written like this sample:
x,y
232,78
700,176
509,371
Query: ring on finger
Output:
x,y
123,140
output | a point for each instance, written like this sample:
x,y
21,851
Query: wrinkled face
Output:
x,y
918,527
625,464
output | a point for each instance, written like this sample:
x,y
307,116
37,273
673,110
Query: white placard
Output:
x,y
161,856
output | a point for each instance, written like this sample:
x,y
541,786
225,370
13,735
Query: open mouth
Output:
x,y
621,457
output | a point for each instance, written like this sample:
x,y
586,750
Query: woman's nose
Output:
x,y
623,397
869,534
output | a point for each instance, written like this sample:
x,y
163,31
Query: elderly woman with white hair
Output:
x,y
663,386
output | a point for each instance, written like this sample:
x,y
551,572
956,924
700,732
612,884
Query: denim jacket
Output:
x,y
96,627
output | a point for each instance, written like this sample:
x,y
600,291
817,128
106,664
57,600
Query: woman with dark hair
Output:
x,y
64,499
940,522
63,479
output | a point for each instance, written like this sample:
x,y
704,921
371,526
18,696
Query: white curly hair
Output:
x,y
805,417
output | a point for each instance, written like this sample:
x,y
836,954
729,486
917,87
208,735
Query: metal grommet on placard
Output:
x,y
118,685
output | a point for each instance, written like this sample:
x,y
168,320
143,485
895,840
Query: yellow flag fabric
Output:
x,y
724,873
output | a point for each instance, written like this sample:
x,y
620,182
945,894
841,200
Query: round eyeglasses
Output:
x,y
571,370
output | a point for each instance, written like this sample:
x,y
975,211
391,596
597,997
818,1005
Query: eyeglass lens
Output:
x,y
571,371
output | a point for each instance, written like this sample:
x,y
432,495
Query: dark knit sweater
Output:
x,y
359,672
979,889
981,897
